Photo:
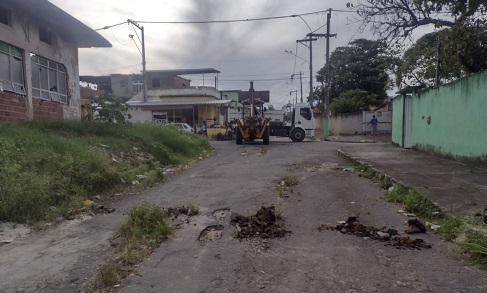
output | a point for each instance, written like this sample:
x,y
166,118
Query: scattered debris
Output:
x,y
187,211
88,202
435,227
415,226
210,234
263,224
93,209
404,212
349,169
352,227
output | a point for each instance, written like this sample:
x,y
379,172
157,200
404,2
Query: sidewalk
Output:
x,y
452,185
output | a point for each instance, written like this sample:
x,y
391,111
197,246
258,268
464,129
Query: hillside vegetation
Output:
x,y
50,167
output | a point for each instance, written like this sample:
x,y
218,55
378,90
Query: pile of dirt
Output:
x,y
263,224
352,227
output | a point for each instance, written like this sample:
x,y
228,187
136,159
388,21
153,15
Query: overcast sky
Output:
x,y
242,51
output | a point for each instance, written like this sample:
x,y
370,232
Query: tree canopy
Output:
x,y
361,65
359,76
391,19
465,22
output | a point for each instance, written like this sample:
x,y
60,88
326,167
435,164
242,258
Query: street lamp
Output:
x,y
291,52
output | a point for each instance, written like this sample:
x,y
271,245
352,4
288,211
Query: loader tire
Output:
x,y
238,136
266,136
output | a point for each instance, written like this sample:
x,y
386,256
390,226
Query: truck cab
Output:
x,y
297,123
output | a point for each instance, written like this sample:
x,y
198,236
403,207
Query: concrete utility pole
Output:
x,y
144,74
300,82
310,40
327,97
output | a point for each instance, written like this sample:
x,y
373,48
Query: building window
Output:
x,y
49,80
138,87
45,35
11,69
5,16
156,82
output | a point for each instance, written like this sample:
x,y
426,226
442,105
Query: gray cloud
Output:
x,y
242,51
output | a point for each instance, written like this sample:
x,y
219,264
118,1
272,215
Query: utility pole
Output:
x,y
300,82
144,73
328,85
310,40
296,92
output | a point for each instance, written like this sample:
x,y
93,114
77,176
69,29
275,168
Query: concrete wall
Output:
x,y
123,84
139,115
451,120
24,35
345,124
173,94
357,123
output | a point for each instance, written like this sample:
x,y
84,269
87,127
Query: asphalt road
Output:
x,y
241,179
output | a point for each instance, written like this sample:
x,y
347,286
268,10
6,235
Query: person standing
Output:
x,y
203,128
373,123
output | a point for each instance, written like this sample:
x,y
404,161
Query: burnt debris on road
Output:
x,y
264,224
352,227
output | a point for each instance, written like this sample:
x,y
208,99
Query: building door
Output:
x,y
408,108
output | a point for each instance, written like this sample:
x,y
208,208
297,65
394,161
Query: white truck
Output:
x,y
297,122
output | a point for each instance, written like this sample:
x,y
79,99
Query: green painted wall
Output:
x,y
458,118
397,119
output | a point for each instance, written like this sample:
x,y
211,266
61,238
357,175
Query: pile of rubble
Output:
x,y
352,227
263,224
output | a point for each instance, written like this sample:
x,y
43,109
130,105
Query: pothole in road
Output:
x,y
264,224
390,236
210,234
221,214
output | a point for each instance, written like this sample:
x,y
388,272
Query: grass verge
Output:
x,y
48,168
466,232
142,232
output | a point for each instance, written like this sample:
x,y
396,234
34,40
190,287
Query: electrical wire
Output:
x,y
217,21
123,44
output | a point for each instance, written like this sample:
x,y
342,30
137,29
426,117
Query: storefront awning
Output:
x,y
176,103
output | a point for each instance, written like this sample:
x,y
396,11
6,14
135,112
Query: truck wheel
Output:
x,y
266,136
238,139
297,135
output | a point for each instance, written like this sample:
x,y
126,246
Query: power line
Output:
x,y
218,21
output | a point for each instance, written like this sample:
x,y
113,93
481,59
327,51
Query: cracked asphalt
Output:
x,y
241,179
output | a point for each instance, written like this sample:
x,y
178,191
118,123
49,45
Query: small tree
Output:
x,y
111,110
353,101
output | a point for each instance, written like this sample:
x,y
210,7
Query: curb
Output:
x,y
350,158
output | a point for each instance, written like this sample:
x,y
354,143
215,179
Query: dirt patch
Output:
x,y
210,234
221,214
352,227
263,224
181,215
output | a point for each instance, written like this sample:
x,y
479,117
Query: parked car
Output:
x,y
184,127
